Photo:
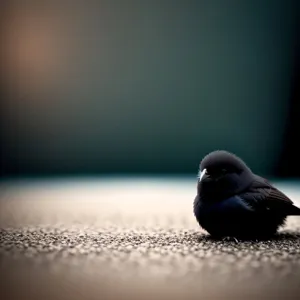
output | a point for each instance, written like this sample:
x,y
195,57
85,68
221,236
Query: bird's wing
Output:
x,y
262,196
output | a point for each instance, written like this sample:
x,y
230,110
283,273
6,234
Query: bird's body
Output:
x,y
234,202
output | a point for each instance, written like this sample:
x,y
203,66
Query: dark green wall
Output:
x,y
153,87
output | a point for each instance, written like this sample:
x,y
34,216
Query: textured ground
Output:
x,y
132,239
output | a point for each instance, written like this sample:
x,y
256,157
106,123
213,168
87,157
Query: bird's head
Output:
x,y
222,174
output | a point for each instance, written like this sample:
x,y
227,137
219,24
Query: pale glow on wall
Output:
x,y
34,48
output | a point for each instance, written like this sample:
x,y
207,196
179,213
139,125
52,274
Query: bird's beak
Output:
x,y
202,174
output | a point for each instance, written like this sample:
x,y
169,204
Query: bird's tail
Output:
x,y
294,211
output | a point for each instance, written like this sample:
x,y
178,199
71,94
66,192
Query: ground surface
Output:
x,y
132,239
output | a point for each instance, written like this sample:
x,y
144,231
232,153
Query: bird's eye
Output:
x,y
216,172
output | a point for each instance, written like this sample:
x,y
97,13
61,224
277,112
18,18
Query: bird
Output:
x,y
234,203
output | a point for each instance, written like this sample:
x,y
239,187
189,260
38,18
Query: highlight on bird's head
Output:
x,y
223,173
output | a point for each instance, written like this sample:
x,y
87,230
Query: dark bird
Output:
x,y
233,202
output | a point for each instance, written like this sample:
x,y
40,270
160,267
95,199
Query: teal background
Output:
x,y
149,87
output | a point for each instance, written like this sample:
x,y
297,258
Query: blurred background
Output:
x,y
148,87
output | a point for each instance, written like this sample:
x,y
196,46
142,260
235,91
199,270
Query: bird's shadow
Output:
x,y
281,236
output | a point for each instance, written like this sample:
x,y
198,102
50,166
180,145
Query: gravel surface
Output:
x,y
133,239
